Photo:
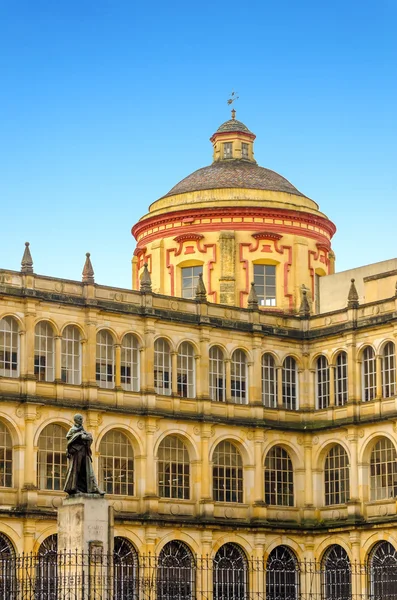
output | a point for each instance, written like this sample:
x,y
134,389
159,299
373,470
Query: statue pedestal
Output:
x,y
85,545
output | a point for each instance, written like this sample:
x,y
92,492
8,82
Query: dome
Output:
x,y
233,174
233,125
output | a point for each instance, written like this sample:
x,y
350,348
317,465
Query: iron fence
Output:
x,y
94,576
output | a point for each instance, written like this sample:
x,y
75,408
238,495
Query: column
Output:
x,y
29,487
308,473
174,372
354,493
206,476
150,471
117,365
258,453
255,376
332,401
379,377
58,358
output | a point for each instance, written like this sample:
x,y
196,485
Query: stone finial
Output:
x,y
201,292
352,298
253,303
88,271
304,309
146,280
27,262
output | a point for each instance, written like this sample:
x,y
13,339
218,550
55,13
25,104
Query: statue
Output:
x,y
80,474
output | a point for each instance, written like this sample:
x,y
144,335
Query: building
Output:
x,y
242,396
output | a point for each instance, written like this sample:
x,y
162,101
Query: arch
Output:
x,y
336,576
71,355
7,550
269,380
290,383
176,572
388,369
105,359
279,477
217,373
51,457
130,362
116,464
227,473
336,476
9,347
162,367
133,437
44,351
186,370
322,382
80,328
382,570
6,456
173,468
383,471
239,376
230,573
282,575
125,570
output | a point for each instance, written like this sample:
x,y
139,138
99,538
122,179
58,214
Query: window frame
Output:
x,y
227,476
116,459
173,469
9,347
266,281
105,360
217,374
322,382
336,476
239,377
279,477
269,380
44,351
162,366
71,360
190,275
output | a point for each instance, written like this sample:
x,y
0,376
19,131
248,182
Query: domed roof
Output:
x,y
233,174
233,125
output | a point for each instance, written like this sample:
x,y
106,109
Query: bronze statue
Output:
x,y
80,475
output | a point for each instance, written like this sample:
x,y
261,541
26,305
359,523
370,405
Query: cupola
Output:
x,y
233,141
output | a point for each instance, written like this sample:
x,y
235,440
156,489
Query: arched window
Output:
x,y
116,464
5,457
71,355
176,572
44,352
239,377
279,478
105,359
51,458
290,383
217,374
230,573
389,370
383,470
282,575
383,571
46,584
186,371
9,347
337,476
125,570
336,575
322,382
162,367
173,469
269,381
340,378
8,582
369,374
227,473
130,363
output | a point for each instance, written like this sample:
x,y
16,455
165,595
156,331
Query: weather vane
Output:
x,y
233,98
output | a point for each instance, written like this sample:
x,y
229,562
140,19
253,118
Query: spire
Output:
x,y
201,292
253,298
304,309
146,281
27,262
88,271
352,298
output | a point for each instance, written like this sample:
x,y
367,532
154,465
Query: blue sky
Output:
x,y
106,104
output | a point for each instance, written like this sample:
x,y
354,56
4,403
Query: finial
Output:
x,y
352,298
146,281
27,262
233,114
304,309
253,303
88,271
201,292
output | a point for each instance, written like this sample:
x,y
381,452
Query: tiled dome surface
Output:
x,y
233,125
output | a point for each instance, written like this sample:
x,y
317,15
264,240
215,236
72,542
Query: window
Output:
x,y
116,464
162,367
8,580
269,381
186,372
244,150
217,374
129,367
290,384
46,583
279,478
9,347
5,457
282,575
389,370
190,277
228,150
383,469
175,573
173,469
340,378
383,572
265,284
227,473
71,355
336,576
51,458
230,573
336,476
322,382
105,359
239,378
44,359
369,374
125,570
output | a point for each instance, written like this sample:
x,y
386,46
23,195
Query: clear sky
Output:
x,y
106,104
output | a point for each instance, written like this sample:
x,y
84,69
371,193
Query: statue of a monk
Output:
x,y
80,475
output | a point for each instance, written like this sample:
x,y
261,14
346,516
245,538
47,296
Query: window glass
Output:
x,y
162,367
173,469
244,150
228,150
190,277
9,347
116,472
227,473
71,356
44,352
336,476
217,374
265,284
279,478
